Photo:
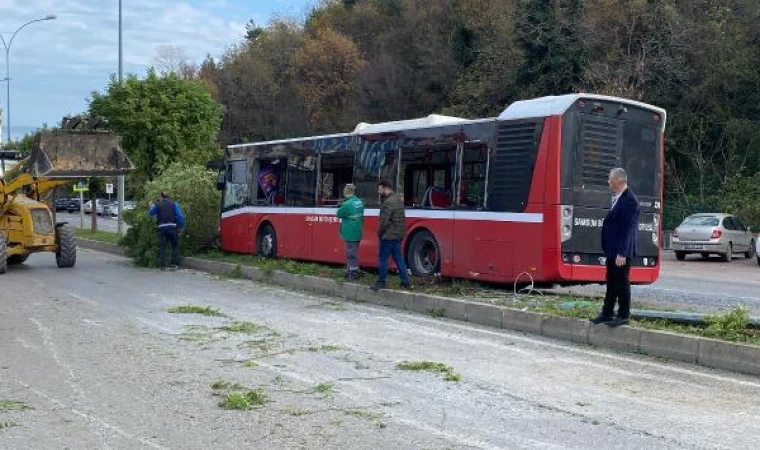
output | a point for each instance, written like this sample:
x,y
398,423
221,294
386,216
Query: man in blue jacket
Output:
x,y
619,233
170,221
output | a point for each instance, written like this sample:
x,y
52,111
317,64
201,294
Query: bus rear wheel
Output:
x,y
424,255
266,244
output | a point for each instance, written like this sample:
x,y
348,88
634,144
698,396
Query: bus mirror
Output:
x,y
220,181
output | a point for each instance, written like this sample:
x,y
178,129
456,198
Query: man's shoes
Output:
x,y
353,275
173,267
378,286
601,319
617,321
406,285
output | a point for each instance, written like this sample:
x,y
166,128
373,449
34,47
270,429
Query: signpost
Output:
x,y
82,186
109,191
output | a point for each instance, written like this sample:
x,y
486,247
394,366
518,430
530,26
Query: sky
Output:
x,y
55,65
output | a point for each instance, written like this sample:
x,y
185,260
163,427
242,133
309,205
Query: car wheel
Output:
x,y
726,257
680,256
751,252
758,260
705,255
266,244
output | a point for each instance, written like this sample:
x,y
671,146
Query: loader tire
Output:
x,y
66,256
3,256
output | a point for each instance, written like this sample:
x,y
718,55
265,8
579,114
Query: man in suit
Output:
x,y
619,233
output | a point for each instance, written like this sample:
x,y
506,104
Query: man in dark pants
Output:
x,y
619,244
391,232
169,220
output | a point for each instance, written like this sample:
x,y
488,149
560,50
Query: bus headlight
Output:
x,y
566,222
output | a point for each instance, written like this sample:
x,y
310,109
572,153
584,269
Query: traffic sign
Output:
x,y
82,185
109,188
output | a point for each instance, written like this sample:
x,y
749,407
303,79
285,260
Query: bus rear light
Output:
x,y
716,234
566,222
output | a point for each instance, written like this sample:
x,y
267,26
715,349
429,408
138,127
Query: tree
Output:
x,y
162,120
194,189
327,70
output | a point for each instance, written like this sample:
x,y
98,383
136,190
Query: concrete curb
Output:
x,y
691,349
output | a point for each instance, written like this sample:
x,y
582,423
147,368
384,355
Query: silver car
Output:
x,y
708,234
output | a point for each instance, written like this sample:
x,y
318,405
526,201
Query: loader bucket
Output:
x,y
77,154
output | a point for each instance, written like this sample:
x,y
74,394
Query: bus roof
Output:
x,y
523,109
557,105
433,120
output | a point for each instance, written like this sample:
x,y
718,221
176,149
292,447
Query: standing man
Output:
x,y
619,244
391,231
169,221
351,213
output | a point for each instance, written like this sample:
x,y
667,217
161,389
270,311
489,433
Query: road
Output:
x,y
101,364
698,285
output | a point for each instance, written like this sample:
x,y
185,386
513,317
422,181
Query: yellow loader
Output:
x,y
57,158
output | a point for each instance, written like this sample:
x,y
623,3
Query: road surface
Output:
x,y
94,354
698,285
105,223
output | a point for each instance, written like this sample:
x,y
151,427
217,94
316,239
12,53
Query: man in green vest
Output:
x,y
351,213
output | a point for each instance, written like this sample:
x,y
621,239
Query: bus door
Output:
x,y
300,200
480,247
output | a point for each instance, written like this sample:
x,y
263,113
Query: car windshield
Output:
x,y
701,221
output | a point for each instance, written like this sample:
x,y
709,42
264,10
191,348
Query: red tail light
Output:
x,y
717,234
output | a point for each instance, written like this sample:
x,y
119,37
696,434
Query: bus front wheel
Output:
x,y
266,245
424,255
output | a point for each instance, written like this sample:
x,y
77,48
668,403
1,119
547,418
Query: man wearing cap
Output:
x,y
351,213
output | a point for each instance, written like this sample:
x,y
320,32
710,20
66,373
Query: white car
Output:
x,y
113,208
713,233
100,205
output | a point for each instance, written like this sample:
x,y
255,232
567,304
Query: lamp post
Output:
x,y
7,46
120,226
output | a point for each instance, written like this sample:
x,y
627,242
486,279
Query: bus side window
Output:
x,y
375,161
337,170
302,180
270,182
428,176
236,188
473,186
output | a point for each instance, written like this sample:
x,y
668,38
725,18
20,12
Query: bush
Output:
x,y
194,188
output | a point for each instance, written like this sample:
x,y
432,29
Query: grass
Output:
x,y
102,236
296,412
367,415
437,313
325,348
193,309
237,397
730,326
430,366
250,363
325,388
7,424
13,405
241,327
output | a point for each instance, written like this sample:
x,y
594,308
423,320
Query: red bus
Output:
x,y
489,199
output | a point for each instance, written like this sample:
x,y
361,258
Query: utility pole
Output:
x,y
120,228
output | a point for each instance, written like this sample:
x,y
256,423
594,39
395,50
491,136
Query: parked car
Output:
x,y
757,251
73,205
62,203
100,205
714,233
113,208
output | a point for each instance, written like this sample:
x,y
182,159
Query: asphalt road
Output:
x,y
106,223
101,364
698,285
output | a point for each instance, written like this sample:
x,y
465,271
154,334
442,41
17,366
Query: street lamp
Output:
x,y
7,46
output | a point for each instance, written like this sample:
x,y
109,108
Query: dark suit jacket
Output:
x,y
621,227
